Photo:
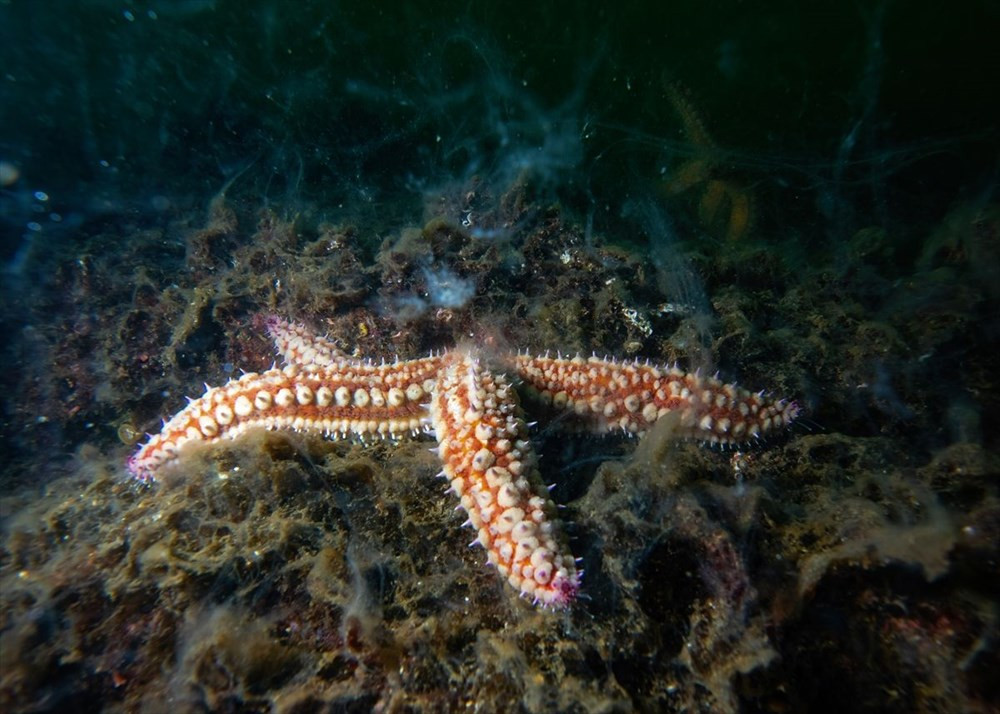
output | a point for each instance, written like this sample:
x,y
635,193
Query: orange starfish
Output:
x,y
474,413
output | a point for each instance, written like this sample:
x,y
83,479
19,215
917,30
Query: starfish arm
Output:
x,y
607,395
489,459
299,345
390,401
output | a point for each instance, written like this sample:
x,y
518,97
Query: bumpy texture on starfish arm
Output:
x,y
299,345
385,401
606,395
488,458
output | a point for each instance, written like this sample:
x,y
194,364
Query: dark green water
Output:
x,y
844,114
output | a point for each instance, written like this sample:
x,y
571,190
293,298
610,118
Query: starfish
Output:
x,y
472,408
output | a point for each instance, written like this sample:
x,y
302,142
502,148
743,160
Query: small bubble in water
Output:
x,y
41,196
9,174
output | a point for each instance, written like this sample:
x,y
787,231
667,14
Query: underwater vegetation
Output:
x,y
799,201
